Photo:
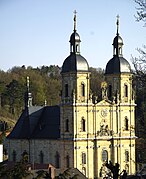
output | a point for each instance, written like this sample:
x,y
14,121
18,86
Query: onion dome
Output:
x,y
75,62
118,64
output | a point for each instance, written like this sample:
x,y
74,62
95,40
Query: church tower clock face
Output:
x,y
104,112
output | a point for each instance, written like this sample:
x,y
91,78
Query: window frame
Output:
x,y
83,89
126,123
41,155
104,155
83,124
125,90
83,158
57,160
126,156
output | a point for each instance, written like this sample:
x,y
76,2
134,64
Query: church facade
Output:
x,y
82,132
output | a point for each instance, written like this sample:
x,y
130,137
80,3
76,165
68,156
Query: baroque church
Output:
x,y
81,132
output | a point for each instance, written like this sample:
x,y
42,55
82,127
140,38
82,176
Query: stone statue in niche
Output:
x,y
104,90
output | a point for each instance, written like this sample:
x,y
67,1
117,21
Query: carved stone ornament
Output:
x,y
104,130
104,112
104,85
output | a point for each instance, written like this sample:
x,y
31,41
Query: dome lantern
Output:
x,y
75,62
75,39
117,42
118,64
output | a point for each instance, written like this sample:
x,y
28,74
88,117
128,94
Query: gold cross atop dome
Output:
x,y
118,24
75,12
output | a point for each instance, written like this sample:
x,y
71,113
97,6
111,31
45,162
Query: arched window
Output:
x,y
104,155
67,125
126,123
67,161
66,90
57,160
77,48
14,156
125,90
41,157
83,89
110,91
83,158
25,156
120,50
83,126
126,156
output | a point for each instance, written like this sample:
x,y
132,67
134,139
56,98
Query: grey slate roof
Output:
x,y
75,63
117,65
37,122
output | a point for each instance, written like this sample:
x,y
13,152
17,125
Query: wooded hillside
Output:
x,y
45,84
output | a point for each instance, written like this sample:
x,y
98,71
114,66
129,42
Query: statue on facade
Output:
x,y
104,90
104,130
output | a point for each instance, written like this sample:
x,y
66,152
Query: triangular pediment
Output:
x,y
104,102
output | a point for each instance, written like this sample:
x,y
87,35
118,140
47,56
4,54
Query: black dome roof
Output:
x,y
117,65
118,41
75,63
74,37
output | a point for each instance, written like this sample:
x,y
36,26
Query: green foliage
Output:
x,y
15,95
45,85
42,174
3,171
18,171
141,10
97,76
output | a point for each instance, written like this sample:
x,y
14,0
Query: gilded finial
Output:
x,y
118,24
75,12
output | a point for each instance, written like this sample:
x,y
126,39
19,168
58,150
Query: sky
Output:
x,y
37,32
